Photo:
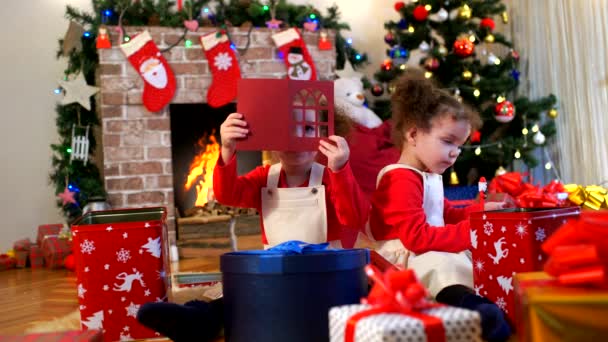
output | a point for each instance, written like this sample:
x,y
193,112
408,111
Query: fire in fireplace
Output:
x,y
201,169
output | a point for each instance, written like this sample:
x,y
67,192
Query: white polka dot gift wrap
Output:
x,y
459,324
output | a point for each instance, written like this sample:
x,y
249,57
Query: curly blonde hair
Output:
x,y
417,100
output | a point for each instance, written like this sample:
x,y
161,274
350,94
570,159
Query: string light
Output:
x,y
524,131
403,67
57,91
548,166
349,41
517,154
472,38
69,150
478,151
108,13
500,99
266,8
428,7
535,128
87,34
358,57
428,74
206,9
188,43
497,61
476,93
411,29
126,38
312,16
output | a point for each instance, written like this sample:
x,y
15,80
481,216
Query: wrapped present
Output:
x,y
590,197
55,250
506,242
550,311
285,292
22,245
527,195
36,257
6,262
121,258
397,310
47,229
62,336
21,258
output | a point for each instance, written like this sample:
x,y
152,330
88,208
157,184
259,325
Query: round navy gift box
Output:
x,y
272,296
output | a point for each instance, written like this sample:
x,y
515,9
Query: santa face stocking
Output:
x,y
298,60
224,67
159,82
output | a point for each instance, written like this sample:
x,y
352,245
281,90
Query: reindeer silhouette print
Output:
x,y
500,253
127,281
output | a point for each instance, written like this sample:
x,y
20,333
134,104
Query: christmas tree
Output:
x,y
455,42
76,178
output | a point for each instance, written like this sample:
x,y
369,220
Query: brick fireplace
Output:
x,y
136,144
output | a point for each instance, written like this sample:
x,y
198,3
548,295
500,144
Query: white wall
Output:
x,y
29,73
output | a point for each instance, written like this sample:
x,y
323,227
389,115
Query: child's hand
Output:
x,y
488,206
499,201
230,131
337,155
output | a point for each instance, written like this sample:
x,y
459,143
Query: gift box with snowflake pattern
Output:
x,y
458,325
120,262
507,242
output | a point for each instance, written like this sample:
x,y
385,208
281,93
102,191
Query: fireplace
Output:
x,y
138,162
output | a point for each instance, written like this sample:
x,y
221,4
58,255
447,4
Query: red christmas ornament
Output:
x,y
431,64
476,137
399,5
487,23
420,13
69,262
515,55
377,89
387,65
463,47
505,111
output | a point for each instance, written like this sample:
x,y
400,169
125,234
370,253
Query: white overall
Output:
x,y
295,213
436,270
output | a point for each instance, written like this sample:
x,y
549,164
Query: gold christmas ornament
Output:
x,y
500,171
489,38
552,113
467,75
464,12
454,178
505,17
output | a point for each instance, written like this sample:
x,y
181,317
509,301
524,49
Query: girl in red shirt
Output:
x,y
412,223
298,199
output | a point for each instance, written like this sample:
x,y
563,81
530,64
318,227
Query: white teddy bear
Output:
x,y
348,95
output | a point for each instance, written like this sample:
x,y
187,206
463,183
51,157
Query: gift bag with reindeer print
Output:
x,y
507,242
120,264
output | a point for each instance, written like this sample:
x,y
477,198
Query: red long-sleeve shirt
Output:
x,y
397,213
347,206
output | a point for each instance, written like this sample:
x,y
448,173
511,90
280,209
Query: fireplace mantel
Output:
x,y
136,144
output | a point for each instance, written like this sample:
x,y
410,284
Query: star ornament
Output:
x,y
77,90
67,196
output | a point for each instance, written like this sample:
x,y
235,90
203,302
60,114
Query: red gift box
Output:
x,y
63,336
36,257
507,242
55,250
47,229
120,263
6,262
22,245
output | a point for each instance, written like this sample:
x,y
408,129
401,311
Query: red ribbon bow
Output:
x,y
397,291
527,195
578,251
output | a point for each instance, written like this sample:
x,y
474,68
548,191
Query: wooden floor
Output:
x,y
29,296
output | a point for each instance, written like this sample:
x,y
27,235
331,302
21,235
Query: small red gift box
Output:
x,y
47,229
507,242
55,250
63,336
120,265
36,257
6,262
22,245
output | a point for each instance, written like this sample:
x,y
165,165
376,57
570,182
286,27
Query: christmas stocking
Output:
x,y
159,82
298,60
224,67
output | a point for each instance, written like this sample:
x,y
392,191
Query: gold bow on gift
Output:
x,y
592,196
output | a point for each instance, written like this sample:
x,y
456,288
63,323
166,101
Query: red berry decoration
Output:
x,y
420,13
487,23
463,47
505,112
399,5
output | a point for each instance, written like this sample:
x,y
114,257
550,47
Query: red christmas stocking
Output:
x,y
224,67
159,81
298,60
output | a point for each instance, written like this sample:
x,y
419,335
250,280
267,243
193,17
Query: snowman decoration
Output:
x,y
298,69
153,71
